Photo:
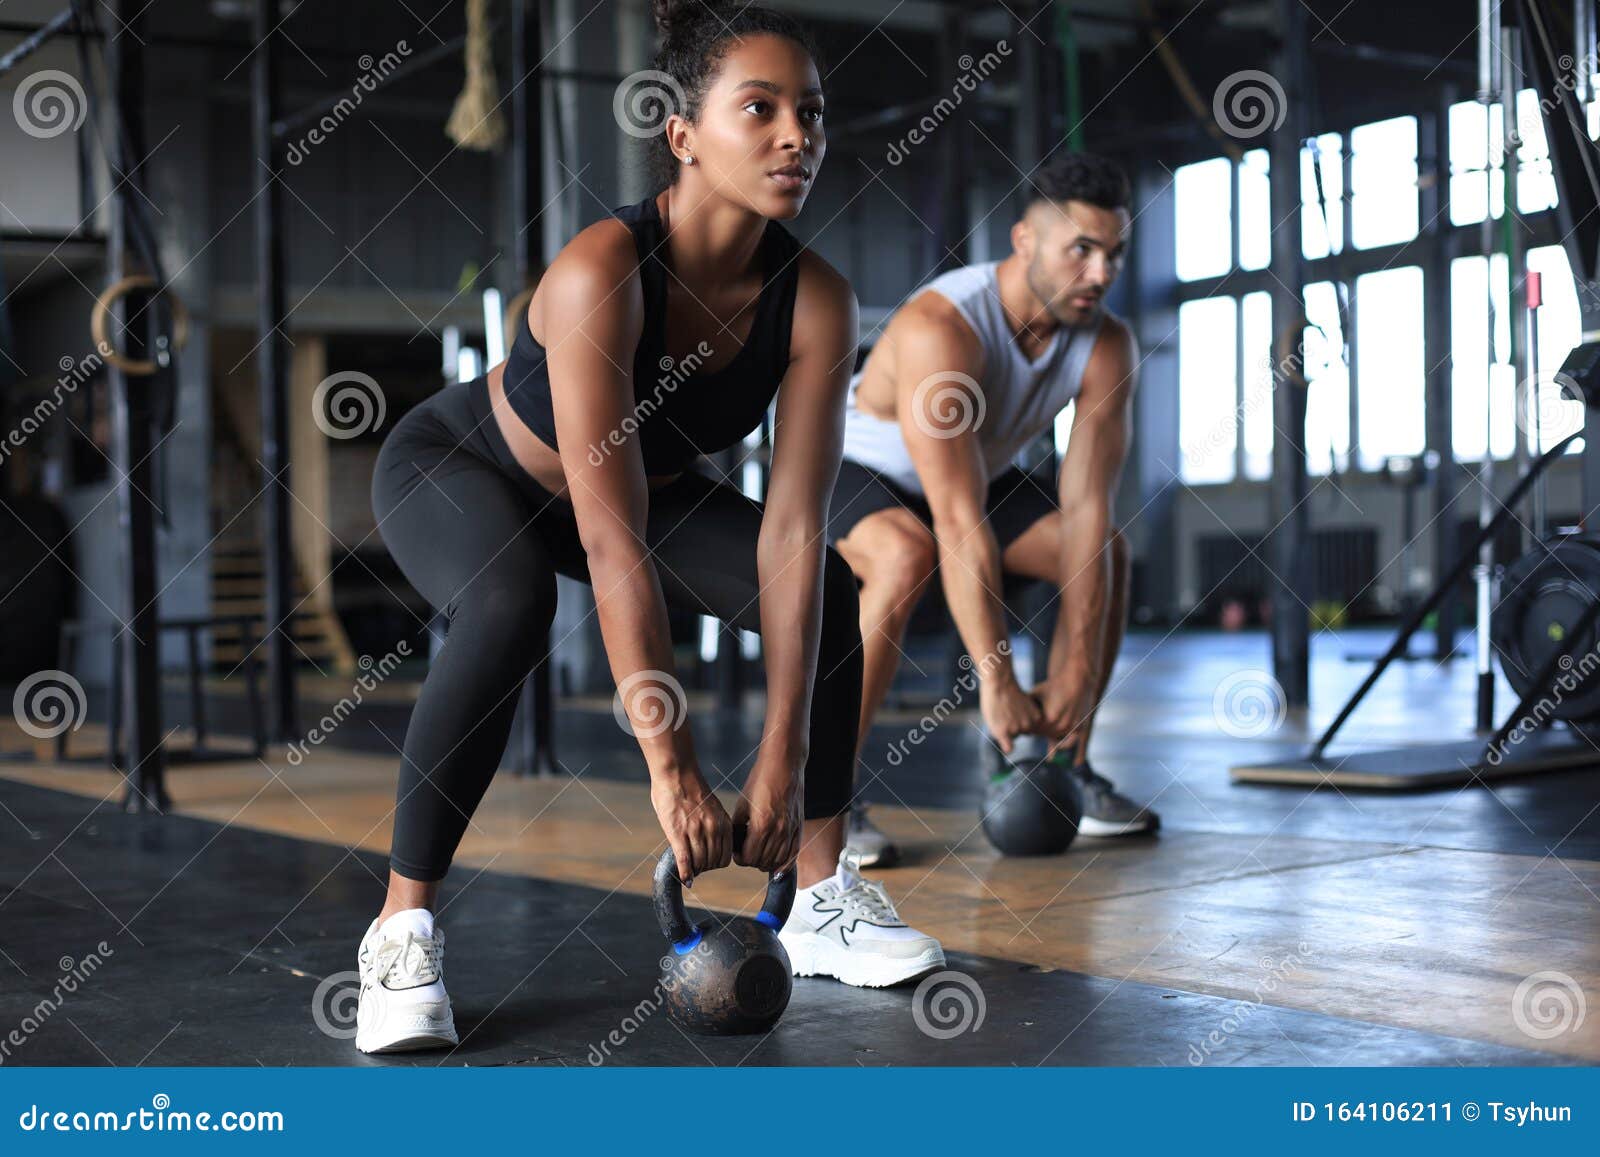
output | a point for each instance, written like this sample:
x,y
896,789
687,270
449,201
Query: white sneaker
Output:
x,y
403,1002
846,927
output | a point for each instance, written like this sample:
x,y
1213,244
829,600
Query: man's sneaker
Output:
x,y
869,846
1106,811
403,1002
846,927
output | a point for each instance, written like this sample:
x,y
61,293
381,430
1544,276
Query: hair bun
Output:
x,y
666,12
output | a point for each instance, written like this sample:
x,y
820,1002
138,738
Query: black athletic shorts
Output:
x,y
1016,501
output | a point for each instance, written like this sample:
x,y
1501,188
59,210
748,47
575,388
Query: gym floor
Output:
x,y
1262,926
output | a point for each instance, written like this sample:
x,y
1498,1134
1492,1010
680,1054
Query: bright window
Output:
x,y
1470,397
1560,328
1328,400
1389,365
1255,211
1203,193
1207,389
1383,182
1322,209
1259,364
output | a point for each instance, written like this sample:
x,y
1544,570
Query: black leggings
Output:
x,y
483,542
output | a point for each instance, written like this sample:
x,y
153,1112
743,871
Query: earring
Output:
x,y
688,158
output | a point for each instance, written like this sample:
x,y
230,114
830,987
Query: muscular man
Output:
x,y
967,374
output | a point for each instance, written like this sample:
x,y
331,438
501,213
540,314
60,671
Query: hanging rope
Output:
x,y
475,121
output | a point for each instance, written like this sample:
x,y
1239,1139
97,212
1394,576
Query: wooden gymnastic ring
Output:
x,y
516,315
100,315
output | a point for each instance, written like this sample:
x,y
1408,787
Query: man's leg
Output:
x,y
893,555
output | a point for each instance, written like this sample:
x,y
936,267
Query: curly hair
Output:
x,y
1087,177
694,36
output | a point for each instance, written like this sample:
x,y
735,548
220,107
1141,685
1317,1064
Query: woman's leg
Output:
x,y
462,534
702,536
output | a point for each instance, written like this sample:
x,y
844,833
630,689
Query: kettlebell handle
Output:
x,y
674,919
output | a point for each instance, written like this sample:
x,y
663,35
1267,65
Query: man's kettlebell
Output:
x,y
1029,811
730,977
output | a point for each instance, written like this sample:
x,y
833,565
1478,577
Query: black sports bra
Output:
x,y
678,413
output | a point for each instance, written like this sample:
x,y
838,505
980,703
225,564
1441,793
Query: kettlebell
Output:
x,y
730,978
1030,810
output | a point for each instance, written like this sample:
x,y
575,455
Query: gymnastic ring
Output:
x,y
99,316
516,313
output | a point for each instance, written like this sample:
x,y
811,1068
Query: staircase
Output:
x,y
238,573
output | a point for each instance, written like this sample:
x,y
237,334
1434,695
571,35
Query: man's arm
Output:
x,y
1087,490
938,400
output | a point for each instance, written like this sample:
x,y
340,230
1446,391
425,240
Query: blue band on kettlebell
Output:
x,y
767,918
689,943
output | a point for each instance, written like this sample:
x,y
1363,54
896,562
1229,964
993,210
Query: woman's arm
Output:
x,y
807,442
593,313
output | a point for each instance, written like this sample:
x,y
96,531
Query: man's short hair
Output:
x,y
1086,177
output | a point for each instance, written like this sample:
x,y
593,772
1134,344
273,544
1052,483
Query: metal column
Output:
x,y
277,542
1288,545
132,417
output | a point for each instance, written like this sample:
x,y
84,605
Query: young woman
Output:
x,y
657,335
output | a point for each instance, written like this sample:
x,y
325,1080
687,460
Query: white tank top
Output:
x,y
1019,398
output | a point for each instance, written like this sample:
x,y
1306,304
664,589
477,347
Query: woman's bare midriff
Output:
x,y
531,452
